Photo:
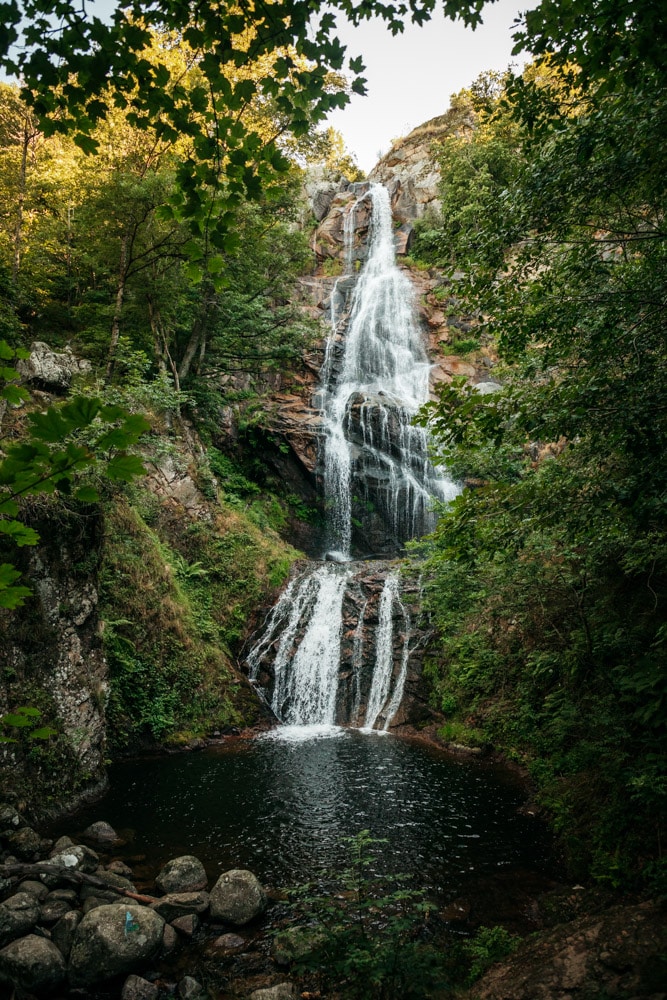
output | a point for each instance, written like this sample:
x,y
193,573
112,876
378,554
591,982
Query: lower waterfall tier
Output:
x,y
336,648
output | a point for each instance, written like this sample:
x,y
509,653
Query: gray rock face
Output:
x,y
237,897
18,914
136,988
111,940
184,874
33,964
50,368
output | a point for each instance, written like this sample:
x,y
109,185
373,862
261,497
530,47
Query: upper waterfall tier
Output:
x,y
374,381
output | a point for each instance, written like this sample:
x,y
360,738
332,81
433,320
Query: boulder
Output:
x,y
237,897
184,874
190,989
53,910
50,368
36,889
77,858
136,988
18,915
101,833
62,934
33,964
178,904
169,940
228,942
61,844
186,925
26,844
9,817
283,991
111,940
487,388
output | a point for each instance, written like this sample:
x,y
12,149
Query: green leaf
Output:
x,y
125,468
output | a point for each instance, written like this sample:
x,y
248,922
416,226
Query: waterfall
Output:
x,y
374,379
369,404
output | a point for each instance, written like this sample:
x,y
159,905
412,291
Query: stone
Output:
x,y
9,817
36,889
136,988
26,844
228,942
78,858
50,368
112,940
69,895
189,989
33,964
295,943
18,915
184,874
92,902
237,897
178,904
61,844
62,934
53,910
282,991
487,388
169,940
186,925
101,833
120,868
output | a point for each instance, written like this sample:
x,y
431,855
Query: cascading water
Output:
x,y
317,640
368,406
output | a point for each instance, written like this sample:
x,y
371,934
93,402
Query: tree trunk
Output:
x,y
23,174
118,308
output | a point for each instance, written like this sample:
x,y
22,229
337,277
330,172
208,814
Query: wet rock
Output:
x,y
78,858
120,868
184,874
69,895
190,989
61,844
33,964
186,925
101,833
18,914
27,844
112,940
92,902
136,988
169,940
178,904
62,934
53,910
228,942
282,991
36,889
237,897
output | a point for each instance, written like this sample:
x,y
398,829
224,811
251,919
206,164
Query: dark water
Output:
x,y
281,807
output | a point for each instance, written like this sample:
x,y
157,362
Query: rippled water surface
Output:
x,y
281,806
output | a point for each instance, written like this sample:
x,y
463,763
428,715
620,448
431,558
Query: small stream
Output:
x,y
281,804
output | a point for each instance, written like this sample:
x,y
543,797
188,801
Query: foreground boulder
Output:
x,y
18,914
113,939
237,897
33,964
184,874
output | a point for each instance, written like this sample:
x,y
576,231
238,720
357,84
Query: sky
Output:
x,y
412,76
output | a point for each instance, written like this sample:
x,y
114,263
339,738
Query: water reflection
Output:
x,y
281,806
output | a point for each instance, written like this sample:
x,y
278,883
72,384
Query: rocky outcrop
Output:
x,y
410,170
51,370
617,953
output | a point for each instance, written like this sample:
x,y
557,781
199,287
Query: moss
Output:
x,y
178,599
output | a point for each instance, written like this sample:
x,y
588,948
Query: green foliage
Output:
x,y
367,934
24,718
547,582
488,945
